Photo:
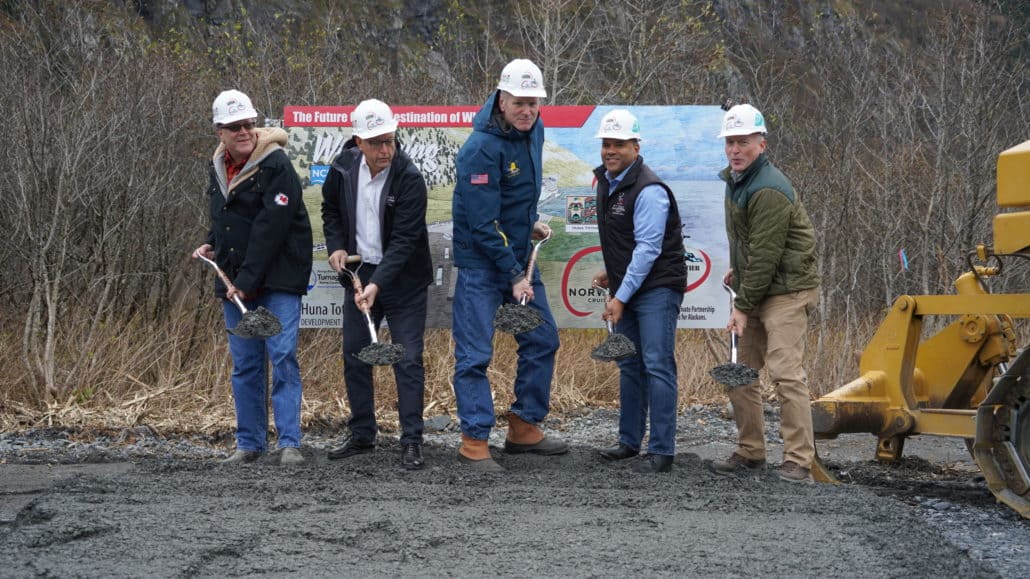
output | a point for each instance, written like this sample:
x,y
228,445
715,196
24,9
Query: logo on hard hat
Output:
x,y
733,121
234,107
372,121
528,81
612,126
759,121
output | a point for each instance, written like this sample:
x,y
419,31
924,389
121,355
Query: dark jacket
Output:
x,y
406,263
615,225
259,226
499,176
772,241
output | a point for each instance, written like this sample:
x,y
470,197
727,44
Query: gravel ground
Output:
x,y
138,502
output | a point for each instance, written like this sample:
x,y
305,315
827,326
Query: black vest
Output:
x,y
615,225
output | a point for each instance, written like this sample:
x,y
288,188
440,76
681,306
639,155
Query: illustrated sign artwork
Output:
x,y
679,144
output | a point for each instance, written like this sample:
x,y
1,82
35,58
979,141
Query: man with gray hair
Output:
x,y
499,177
774,274
260,237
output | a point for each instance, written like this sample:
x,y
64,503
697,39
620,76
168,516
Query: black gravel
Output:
x,y
615,347
381,354
517,318
258,323
734,375
165,507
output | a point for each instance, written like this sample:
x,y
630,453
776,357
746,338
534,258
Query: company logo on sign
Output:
x,y
319,173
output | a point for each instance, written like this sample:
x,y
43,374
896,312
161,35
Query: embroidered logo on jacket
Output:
x,y
282,199
513,170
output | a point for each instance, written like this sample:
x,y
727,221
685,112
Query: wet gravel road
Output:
x,y
139,503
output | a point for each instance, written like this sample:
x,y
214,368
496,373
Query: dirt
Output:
x,y
258,323
615,347
381,354
734,374
517,318
169,511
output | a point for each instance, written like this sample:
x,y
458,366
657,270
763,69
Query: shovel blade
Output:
x,y
517,319
257,323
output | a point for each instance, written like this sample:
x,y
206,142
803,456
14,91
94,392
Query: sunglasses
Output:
x,y
249,125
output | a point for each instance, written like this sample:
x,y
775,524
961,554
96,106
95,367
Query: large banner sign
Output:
x,y
679,144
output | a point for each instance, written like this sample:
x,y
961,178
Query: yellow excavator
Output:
x,y
969,380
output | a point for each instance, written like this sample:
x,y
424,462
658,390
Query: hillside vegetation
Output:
x,y
888,116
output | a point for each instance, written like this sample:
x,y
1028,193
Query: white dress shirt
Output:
x,y
366,220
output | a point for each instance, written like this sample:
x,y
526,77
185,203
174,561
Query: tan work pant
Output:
x,y
775,339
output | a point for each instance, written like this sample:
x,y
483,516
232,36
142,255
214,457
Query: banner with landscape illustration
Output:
x,y
679,144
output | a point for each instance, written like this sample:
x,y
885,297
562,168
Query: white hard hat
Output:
x,y
619,124
231,106
522,78
742,120
372,118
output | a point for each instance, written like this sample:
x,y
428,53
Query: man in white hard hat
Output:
x,y
374,206
499,178
639,225
260,237
774,274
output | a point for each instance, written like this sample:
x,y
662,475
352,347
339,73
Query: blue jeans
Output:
x,y
477,295
647,381
249,382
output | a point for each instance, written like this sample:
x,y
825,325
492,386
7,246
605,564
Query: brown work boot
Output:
x,y
476,453
527,437
791,471
736,464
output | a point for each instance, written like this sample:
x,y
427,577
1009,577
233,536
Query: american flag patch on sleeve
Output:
x,y
482,179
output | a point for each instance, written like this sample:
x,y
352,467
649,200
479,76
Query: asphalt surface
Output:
x,y
169,513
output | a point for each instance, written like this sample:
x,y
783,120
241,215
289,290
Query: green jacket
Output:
x,y
772,241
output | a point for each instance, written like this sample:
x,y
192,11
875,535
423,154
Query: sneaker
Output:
x,y
736,464
791,471
290,455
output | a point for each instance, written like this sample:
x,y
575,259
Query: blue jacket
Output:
x,y
500,173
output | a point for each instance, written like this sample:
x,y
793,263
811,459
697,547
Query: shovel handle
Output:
x,y
228,283
358,288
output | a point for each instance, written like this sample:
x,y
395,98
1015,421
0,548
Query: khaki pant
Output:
x,y
775,339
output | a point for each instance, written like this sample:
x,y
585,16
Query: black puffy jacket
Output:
x,y
259,226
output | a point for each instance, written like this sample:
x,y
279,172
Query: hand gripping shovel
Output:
x,y
733,374
377,353
519,318
615,347
257,323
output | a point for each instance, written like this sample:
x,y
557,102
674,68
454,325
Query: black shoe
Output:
x,y
411,456
618,452
653,463
352,447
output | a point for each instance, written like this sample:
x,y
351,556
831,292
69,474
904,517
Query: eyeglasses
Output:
x,y
249,125
379,143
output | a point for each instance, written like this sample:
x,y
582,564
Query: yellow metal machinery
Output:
x,y
962,381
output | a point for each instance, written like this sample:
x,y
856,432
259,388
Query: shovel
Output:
x,y
377,353
615,347
733,374
519,318
257,323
